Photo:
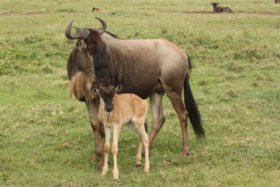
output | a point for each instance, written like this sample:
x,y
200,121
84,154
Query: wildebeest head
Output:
x,y
90,36
96,48
107,93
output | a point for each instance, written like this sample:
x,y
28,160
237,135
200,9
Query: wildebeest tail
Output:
x,y
192,109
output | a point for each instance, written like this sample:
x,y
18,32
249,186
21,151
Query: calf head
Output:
x,y
107,93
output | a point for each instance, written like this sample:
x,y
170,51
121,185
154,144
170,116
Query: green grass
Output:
x,y
45,137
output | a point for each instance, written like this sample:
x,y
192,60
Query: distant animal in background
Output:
x,y
95,9
218,9
277,1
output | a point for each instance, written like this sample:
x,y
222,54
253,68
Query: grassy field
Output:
x,y
45,137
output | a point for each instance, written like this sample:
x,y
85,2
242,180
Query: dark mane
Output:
x,y
111,34
101,62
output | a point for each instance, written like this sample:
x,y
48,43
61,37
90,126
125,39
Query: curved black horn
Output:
x,y
68,31
81,34
103,23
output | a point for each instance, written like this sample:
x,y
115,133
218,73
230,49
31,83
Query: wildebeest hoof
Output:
x,y
185,154
100,164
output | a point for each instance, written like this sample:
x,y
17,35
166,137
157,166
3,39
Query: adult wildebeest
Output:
x,y
218,9
147,68
81,75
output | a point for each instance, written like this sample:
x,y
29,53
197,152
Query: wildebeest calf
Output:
x,y
127,108
218,9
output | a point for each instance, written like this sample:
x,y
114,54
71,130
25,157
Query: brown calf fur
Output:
x,y
128,108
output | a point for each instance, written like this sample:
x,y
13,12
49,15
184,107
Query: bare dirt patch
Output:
x,y
31,13
211,12
262,13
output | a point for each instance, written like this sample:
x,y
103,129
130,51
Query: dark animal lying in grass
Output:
x,y
147,68
218,9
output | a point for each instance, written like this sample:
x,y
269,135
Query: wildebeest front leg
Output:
x,y
182,113
98,131
157,113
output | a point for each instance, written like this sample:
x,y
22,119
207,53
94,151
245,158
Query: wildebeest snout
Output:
x,y
109,108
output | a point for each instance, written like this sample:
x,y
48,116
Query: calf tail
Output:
x,y
192,108
146,125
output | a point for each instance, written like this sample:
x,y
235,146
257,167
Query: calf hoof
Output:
x,y
138,164
116,176
146,169
104,172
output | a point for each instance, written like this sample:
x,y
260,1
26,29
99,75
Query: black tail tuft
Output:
x,y
192,109
146,125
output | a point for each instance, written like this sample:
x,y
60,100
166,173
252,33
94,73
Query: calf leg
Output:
x,y
157,113
145,141
115,150
139,151
106,151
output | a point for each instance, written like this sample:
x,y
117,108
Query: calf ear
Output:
x,y
118,88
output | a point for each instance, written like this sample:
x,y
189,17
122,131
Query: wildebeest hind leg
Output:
x,y
157,113
182,113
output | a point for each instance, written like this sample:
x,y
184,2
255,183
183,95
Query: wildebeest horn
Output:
x,y
81,34
103,23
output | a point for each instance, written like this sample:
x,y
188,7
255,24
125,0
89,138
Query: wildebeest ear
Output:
x,y
118,88
80,44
